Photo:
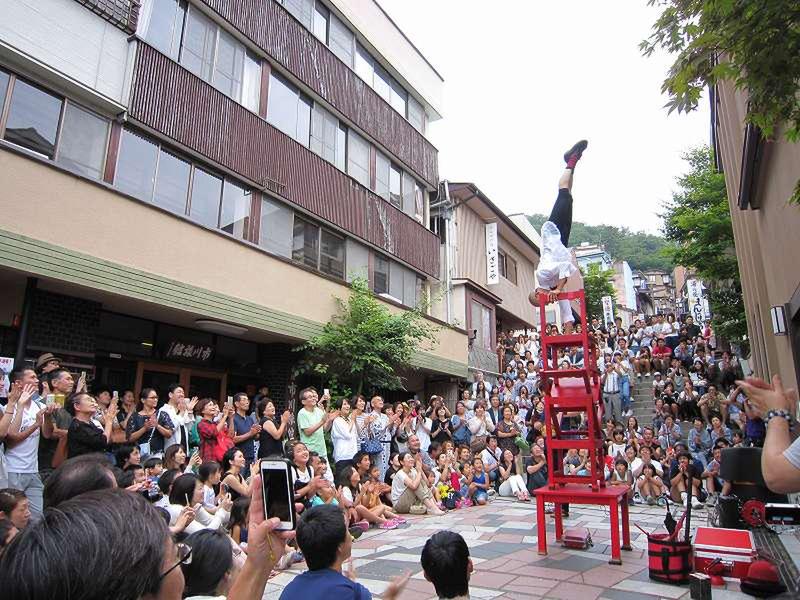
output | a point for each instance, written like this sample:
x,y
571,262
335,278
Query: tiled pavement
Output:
x,y
502,540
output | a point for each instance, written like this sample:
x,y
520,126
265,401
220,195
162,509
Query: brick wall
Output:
x,y
63,323
277,361
123,14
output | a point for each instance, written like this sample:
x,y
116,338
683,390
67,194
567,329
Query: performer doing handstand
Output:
x,y
556,265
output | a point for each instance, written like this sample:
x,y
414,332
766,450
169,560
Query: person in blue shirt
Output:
x,y
245,430
326,544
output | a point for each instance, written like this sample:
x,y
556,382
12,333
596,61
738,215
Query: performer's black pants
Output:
x,y
562,214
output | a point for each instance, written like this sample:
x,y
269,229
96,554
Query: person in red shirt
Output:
x,y
214,436
661,356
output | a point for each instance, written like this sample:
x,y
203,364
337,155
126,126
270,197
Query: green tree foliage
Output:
x,y
597,283
364,346
641,250
697,222
753,43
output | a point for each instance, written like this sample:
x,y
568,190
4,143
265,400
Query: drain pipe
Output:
x,y
445,205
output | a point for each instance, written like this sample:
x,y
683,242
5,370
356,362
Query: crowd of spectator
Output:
x,y
692,405
185,470
188,467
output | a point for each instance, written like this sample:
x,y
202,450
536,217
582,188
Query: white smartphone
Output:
x,y
326,392
277,491
230,401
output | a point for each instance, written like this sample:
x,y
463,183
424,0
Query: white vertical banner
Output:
x,y
698,305
608,310
492,265
6,366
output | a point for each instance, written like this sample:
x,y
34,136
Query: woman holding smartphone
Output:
x,y
148,428
187,492
272,431
213,431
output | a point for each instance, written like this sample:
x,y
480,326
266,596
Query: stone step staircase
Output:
x,y
642,402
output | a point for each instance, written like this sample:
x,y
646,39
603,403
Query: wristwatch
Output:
x,y
784,414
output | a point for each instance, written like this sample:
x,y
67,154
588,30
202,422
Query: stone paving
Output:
x,y
502,540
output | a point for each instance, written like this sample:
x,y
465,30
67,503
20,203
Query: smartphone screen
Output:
x,y
277,492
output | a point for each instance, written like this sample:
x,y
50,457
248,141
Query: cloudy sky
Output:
x,y
525,79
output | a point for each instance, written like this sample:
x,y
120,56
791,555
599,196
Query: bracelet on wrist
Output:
x,y
782,413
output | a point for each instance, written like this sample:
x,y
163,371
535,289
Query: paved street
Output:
x,y
502,540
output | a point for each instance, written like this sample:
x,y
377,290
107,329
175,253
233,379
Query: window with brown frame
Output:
x,y
52,126
508,266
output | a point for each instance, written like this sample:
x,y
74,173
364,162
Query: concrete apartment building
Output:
x,y
760,176
188,185
488,264
588,253
655,292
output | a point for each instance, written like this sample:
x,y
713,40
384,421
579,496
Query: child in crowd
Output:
x,y
444,468
633,433
240,514
325,495
630,454
621,475
650,486
320,467
165,487
583,470
210,474
608,430
394,467
463,483
377,490
616,448
663,458
478,483
153,468
658,384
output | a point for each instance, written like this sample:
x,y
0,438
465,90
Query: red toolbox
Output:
x,y
578,538
734,547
